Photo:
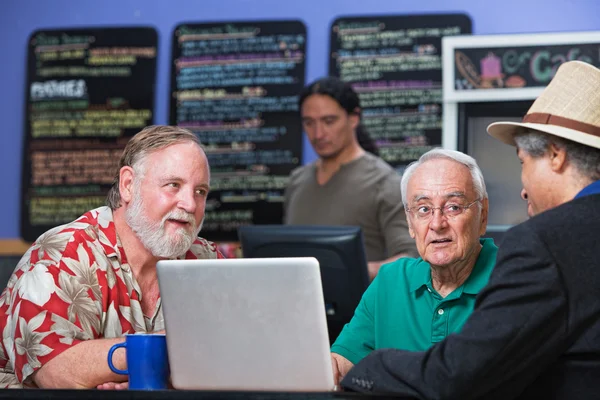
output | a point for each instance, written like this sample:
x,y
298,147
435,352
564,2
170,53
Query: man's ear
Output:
x,y
126,176
355,118
484,216
410,229
558,158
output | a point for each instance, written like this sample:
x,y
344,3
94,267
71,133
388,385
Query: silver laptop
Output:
x,y
246,324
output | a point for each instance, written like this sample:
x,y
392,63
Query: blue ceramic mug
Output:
x,y
147,361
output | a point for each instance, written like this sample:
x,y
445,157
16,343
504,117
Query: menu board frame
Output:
x,y
454,95
252,205
416,36
75,69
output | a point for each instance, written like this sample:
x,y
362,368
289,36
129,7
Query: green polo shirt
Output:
x,y
402,310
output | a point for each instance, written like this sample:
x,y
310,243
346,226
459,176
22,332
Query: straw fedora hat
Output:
x,y
568,107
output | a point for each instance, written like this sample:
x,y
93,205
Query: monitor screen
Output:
x,y
339,250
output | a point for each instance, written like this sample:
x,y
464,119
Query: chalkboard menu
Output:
x,y
88,92
236,86
516,66
395,65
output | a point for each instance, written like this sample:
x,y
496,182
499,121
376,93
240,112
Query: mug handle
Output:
x,y
110,356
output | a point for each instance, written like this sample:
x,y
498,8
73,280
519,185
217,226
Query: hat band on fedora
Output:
x,y
549,119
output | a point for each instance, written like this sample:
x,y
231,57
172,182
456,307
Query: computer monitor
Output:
x,y
339,250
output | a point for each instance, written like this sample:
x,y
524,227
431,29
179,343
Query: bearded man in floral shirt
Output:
x,y
84,285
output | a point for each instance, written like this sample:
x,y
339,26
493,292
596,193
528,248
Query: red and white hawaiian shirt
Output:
x,y
73,284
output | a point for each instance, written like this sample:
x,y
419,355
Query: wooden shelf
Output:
x,y
10,247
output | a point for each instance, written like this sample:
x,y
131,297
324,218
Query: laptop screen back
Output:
x,y
246,324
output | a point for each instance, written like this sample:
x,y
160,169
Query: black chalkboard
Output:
x,y
516,66
395,65
88,92
236,86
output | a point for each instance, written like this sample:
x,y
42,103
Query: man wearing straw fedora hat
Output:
x,y
535,330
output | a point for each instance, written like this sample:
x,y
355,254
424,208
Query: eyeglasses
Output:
x,y
450,210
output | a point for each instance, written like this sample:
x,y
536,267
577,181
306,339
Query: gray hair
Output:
x,y
439,153
586,159
148,140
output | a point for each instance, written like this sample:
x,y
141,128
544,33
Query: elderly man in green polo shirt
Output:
x,y
414,303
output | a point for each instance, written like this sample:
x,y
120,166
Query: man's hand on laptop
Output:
x,y
340,365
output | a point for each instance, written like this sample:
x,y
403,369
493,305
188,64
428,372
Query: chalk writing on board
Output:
x,y
517,66
236,85
88,92
394,64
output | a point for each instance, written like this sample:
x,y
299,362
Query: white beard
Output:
x,y
153,235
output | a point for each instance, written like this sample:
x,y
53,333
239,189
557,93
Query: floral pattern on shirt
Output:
x,y
73,284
